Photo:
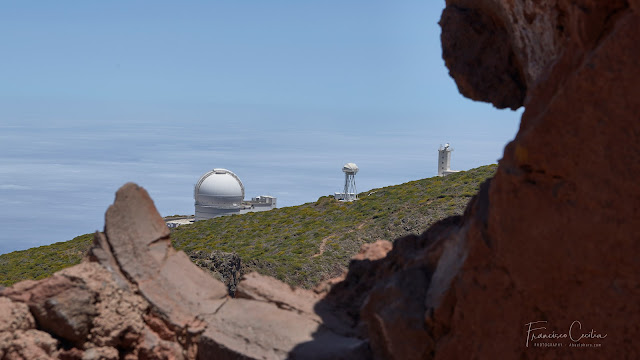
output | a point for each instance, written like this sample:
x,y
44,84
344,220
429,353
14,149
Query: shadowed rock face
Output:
x,y
560,234
498,51
551,239
481,59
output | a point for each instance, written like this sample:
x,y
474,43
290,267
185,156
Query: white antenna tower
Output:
x,y
350,170
444,160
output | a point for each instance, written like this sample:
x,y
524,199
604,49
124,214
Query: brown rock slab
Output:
x,y
305,302
100,252
264,288
138,240
250,329
101,353
152,347
119,312
27,344
15,316
136,232
61,305
113,324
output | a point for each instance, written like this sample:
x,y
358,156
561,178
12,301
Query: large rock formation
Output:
x,y
556,239
543,264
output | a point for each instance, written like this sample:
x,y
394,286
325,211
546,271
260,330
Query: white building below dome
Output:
x,y
220,192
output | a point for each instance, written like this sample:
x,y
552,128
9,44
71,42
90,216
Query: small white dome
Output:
x,y
219,187
350,168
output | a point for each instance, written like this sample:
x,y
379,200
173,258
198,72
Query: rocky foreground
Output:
x,y
553,239
136,297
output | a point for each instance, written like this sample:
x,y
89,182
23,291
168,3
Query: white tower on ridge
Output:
x,y
350,193
444,160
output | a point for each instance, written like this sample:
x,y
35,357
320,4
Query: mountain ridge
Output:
x,y
301,245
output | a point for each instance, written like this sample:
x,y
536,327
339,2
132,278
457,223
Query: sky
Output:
x,y
94,94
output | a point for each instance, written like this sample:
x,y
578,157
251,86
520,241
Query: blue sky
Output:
x,y
283,93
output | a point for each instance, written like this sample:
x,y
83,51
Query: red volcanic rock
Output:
x,y
28,344
389,298
15,316
497,50
264,288
481,59
559,237
18,337
552,240
61,305
83,306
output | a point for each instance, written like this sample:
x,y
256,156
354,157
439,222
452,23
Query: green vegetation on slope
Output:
x,y
41,262
305,244
300,245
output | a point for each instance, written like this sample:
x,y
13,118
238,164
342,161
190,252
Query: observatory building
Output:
x,y
350,193
444,160
220,192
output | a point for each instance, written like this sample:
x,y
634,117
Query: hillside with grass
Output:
x,y
300,245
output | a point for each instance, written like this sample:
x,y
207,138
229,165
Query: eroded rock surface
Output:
x,y
81,307
559,240
499,51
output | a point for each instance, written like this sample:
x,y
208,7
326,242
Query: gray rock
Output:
x,y
247,329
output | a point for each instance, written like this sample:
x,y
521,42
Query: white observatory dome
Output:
x,y
219,188
350,168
